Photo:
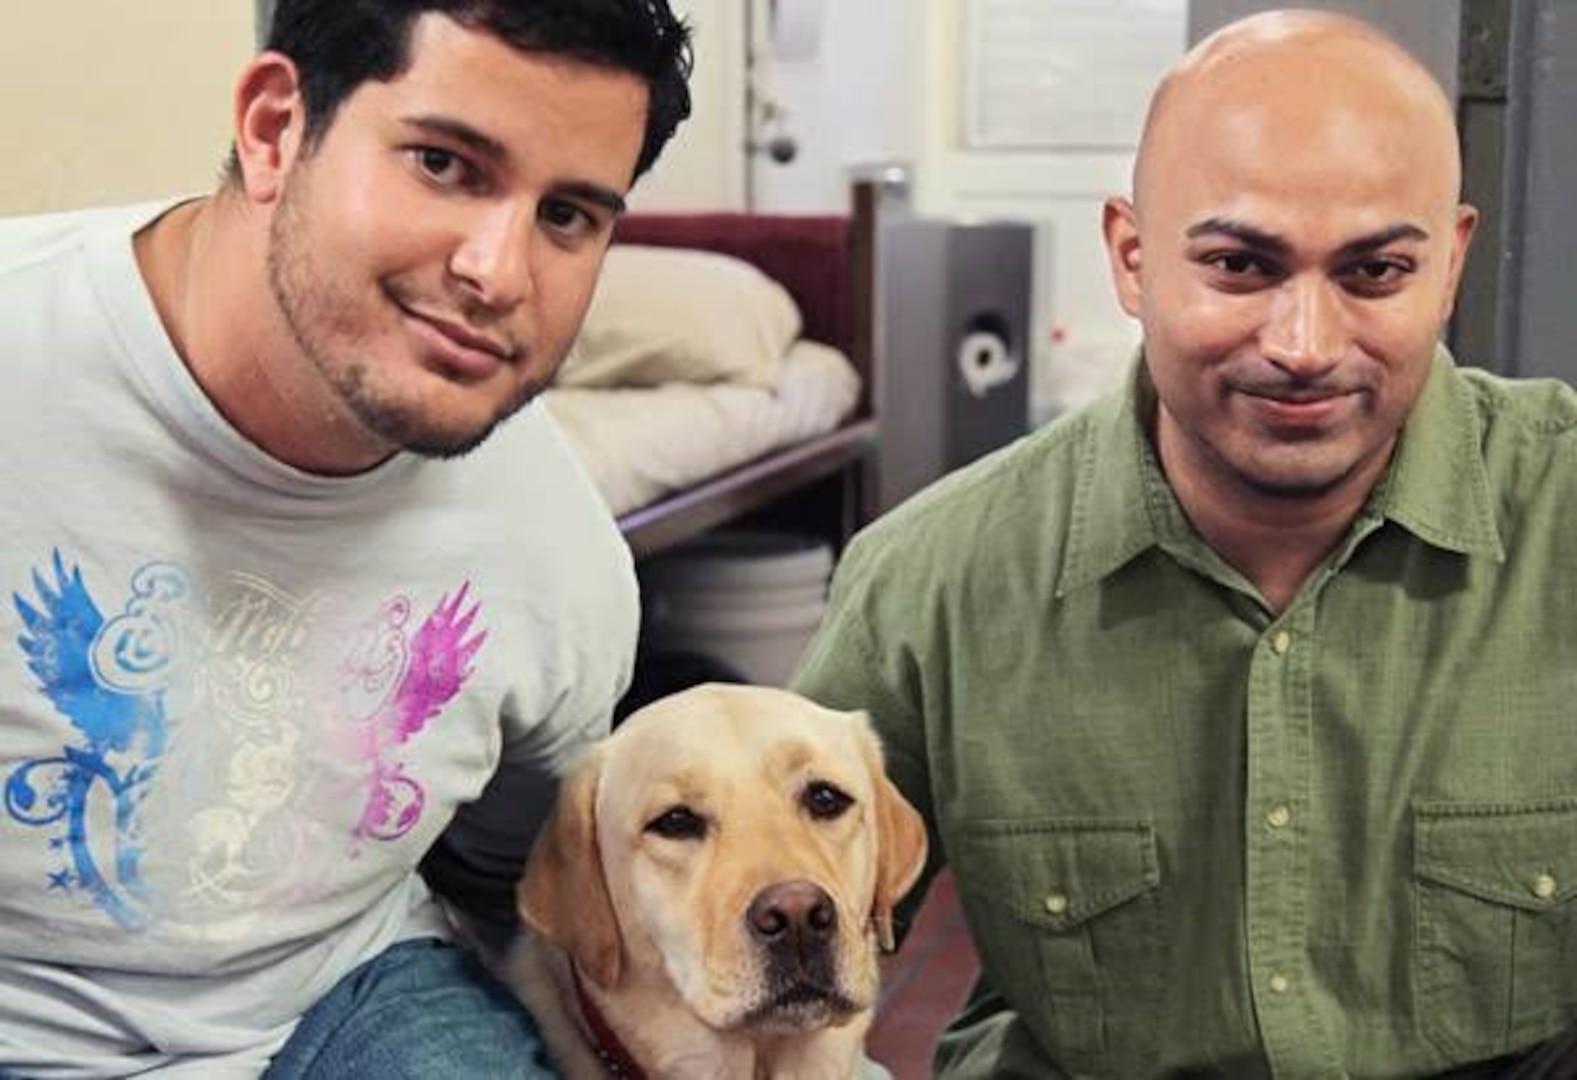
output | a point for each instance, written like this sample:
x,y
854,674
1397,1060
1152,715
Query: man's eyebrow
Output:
x,y
1377,240
605,197
462,133
496,152
1260,240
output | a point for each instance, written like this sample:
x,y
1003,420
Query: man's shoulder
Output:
x,y
1540,406
527,471
1525,433
35,240
29,241
1523,422
1023,492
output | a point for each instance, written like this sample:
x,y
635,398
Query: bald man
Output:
x,y
1243,704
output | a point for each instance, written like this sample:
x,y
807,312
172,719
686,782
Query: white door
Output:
x,y
830,85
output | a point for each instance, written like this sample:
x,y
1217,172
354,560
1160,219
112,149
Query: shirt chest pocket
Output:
x,y
1068,911
1497,923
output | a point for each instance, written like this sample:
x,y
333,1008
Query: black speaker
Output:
x,y
953,323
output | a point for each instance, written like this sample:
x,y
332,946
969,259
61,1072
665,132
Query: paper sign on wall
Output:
x,y
1065,74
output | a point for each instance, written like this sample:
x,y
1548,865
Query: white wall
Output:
x,y
106,101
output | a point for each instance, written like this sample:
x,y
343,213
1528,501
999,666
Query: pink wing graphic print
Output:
x,y
441,658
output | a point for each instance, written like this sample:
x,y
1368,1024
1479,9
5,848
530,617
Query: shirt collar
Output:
x,y
1437,486
1117,481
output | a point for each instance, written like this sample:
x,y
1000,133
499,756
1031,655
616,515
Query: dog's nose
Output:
x,y
792,910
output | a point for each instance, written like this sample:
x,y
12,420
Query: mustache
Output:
x,y
1278,385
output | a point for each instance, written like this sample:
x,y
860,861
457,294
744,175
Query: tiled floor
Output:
x,y
923,986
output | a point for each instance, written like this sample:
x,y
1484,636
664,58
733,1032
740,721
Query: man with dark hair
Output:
x,y
262,654
1240,703
337,45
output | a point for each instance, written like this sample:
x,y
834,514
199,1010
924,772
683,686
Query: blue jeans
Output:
x,y
421,1009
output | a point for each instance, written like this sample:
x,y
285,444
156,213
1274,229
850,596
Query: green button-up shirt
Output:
x,y
1194,837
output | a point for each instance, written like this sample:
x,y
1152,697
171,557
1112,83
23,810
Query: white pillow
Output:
x,y
663,315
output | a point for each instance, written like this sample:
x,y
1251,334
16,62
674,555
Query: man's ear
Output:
x,y
270,122
1464,226
1120,227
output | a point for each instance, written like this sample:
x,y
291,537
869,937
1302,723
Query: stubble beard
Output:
x,y
311,306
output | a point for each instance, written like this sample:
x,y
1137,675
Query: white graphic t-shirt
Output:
x,y
238,702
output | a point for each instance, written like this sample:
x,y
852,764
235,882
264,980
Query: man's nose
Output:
x,y
1306,332
495,259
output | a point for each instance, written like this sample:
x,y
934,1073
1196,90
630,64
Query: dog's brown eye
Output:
x,y
678,823
825,801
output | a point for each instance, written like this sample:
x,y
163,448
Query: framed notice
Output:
x,y
1064,74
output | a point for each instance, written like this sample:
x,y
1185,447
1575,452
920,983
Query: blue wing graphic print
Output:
x,y
58,642
123,735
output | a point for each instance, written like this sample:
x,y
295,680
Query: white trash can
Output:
x,y
750,599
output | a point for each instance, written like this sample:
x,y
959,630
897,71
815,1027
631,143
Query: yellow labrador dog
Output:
x,y
711,891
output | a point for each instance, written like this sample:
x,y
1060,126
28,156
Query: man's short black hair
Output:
x,y
337,45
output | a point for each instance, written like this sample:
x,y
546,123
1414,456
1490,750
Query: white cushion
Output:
x,y
662,315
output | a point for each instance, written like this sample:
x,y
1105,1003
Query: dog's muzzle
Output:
x,y
795,925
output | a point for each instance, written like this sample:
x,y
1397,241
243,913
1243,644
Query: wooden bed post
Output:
x,y
863,482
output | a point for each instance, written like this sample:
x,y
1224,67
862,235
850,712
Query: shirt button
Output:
x,y
1057,904
1279,983
1279,816
1281,642
1544,886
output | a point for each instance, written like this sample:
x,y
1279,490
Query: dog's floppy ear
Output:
x,y
563,895
900,842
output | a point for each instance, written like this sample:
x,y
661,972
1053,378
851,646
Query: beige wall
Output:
x,y
106,101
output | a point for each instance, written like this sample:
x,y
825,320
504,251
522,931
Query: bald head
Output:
x,y
1286,77
1292,250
